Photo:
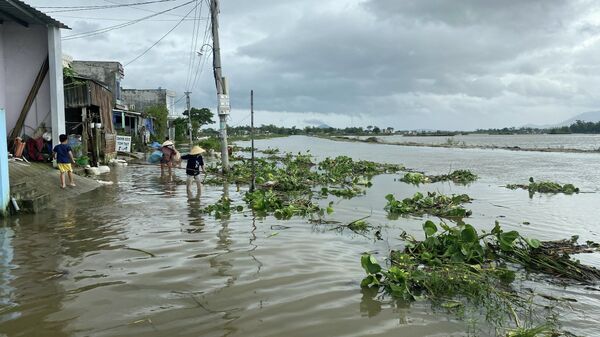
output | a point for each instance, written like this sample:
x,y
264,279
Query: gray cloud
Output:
x,y
406,64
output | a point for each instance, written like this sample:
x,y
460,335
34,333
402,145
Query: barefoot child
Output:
x,y
195,164
64,158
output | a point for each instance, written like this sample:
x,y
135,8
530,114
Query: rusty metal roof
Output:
x,y
23,14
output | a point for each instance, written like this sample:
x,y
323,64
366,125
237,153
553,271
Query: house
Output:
x,y
31,79
110,73
89,104
141,99
125,120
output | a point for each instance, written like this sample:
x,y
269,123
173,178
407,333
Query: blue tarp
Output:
x,y
149,124
155,157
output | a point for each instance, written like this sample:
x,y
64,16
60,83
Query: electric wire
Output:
x,y
119,19
193,44
122,25
63,9
141,8
165,35
202,61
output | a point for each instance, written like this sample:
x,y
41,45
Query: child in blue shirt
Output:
x,y
64,158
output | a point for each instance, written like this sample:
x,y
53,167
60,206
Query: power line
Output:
x,y
141,8
122,25
115,19
97,7
202,61
158,41
192,46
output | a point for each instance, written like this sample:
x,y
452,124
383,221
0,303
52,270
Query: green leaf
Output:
x,y
430,228
369,264
533,243
509,237
367,281
469,234
451,304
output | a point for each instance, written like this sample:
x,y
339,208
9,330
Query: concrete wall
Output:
x,y
2,75
107,72
144,98
24,49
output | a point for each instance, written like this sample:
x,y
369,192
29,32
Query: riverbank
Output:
x,y
457,145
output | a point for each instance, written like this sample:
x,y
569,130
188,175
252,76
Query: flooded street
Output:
x,y
138,258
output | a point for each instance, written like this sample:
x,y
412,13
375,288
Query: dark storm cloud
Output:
x,y
406,64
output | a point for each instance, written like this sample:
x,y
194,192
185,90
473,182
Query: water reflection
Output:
x,y
7,295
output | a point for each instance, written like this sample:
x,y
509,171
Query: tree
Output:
x,y
199,117
159,113
181,128
376,129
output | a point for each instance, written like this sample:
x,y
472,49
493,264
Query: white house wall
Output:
x,y
24,49
2,72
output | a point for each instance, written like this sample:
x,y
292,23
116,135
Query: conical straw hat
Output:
x,y
197,150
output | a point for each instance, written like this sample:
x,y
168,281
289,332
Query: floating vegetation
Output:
x,y
545,187
269,151
433,204
287,184
342,168
222,209
462,177
415,178
457,267
266,202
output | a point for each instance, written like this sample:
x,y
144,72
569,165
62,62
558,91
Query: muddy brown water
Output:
x,y
138,258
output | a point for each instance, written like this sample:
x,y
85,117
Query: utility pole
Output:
x,y
222,94
187,100
253,183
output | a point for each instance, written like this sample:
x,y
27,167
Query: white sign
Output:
x,y
124,143
224,106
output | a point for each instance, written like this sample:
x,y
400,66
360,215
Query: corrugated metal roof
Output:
x,y
22,13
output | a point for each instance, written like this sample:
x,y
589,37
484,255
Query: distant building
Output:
x,y
141,99
126,120
110,73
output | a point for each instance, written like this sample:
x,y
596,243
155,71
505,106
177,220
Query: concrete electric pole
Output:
x,y
222,94
189,110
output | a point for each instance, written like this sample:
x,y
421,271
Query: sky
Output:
x,y
410,64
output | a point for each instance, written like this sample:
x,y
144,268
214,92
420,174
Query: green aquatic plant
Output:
x,y
458,267
269,151
433,204
415,178
265,202
545,187
342,168
462,177
222,209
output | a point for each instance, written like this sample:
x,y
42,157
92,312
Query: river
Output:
x,y
138,258
526,141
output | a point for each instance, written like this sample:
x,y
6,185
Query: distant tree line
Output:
x,y
578,127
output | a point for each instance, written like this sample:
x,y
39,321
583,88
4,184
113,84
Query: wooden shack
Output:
x,y
88,112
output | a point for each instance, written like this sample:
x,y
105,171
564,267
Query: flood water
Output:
x,y
542,141
137,258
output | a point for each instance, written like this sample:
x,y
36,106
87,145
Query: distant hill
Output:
x,y
590,116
